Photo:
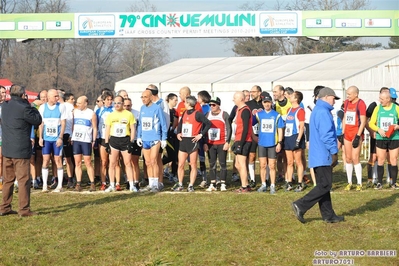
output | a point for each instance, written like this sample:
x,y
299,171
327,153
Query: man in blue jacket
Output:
x,y
323,150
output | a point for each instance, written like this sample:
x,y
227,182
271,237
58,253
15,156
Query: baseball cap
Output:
x,y
154,91
393,94
264,94
326,91
267,99
215,100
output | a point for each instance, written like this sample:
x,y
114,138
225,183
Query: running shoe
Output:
x,y
57,190
262,188
370,184
118,187
190,189
235,178
133,189
92,187
35,184
359,187
203,184
103,187
378,187
244,190
395,186
78,188
252,184
299,188
348,187
272,190
289,187
223,187
211,188
110,189
177,187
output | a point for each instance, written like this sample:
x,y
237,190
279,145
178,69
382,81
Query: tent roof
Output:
x,y
237,73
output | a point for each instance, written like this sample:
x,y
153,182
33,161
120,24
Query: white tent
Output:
x,y
368,70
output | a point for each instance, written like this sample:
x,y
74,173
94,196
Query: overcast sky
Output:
x,y
198,47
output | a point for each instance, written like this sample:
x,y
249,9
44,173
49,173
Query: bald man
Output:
x,y
184,93
352,127
243,139
51,133
83,138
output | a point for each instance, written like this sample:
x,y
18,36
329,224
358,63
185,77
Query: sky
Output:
x,y
201,47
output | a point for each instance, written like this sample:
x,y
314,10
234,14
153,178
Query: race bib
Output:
x,y
146,123
385,122
255,129
187,130
119,130
52,127
214,134
267,126
288,130
350,118
78,133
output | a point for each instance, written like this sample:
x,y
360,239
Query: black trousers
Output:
x,y
319,194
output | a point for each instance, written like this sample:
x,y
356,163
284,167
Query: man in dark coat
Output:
x,y
17,118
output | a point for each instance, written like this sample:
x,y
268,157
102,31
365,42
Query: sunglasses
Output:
x,y
212,105
118,103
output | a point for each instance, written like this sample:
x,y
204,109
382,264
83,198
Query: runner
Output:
x,y
84,135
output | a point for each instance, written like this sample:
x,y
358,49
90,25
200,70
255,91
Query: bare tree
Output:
x,y
141,55
5,45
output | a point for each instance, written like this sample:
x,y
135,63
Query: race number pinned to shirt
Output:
x,y
255,129
52,127
146,123
119,130
350,118
187,130
385,122
79,132
267,126
288,129
214,134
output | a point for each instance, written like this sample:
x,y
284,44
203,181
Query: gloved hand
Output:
x,y
341,138
107,148
130,147
140,142
355,142
237,148
297,145
334,160
163,144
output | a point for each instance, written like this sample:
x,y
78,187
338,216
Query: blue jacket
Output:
x,y
323,138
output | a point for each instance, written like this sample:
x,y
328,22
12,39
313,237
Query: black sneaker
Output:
x,y
289,187
54,183
379,186
252,184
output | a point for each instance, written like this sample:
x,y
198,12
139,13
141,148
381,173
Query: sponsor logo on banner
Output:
x,y
282,23
96,25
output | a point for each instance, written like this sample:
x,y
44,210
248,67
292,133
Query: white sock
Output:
x,y
251,168
150,181
375,171
45,177
358,172
349,171
131,184
112,184
60,173
263,184
155,182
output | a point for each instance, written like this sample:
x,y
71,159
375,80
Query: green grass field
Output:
x,y
198,228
